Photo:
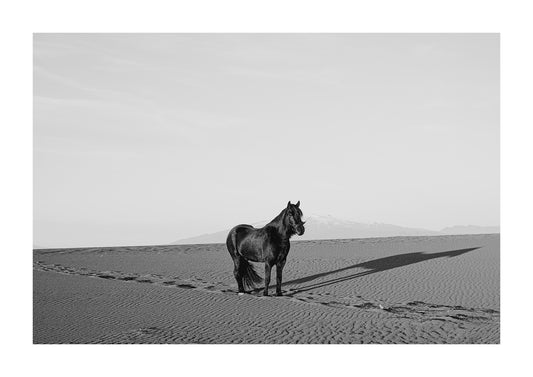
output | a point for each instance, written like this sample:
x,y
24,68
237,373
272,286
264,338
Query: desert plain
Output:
x,y
428,289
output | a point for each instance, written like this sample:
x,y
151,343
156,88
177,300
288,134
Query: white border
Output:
x,y
19,19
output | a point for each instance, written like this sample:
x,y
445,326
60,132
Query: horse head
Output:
x,y
294,215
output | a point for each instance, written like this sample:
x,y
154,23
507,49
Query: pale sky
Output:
x,y
150,138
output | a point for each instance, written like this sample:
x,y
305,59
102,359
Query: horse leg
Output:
x,y
279,277
236,273
268,269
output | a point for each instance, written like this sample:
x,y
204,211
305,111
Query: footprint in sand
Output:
x,y
187,286
143,280
127,278
106,276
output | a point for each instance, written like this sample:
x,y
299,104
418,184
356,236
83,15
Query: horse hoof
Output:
x,y
279,294
241,293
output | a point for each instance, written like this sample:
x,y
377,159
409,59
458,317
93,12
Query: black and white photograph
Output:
x,y
266,188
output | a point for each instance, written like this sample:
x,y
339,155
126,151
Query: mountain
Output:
x,y
470,229
327,227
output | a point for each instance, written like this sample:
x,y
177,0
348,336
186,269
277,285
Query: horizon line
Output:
x,y
221,243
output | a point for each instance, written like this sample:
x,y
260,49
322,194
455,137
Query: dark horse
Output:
x,y
269,244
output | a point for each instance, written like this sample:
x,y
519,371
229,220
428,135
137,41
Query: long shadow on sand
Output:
x,y
373,266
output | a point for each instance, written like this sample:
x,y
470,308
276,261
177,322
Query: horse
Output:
x,y
269,244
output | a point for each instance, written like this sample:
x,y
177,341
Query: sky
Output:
x,y
149,138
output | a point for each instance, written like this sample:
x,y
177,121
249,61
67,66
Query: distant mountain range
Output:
x,y
318,227
470,229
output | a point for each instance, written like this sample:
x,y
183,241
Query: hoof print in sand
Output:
x,y
415,310
186,286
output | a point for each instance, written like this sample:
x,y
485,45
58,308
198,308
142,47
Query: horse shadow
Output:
x,y
372,267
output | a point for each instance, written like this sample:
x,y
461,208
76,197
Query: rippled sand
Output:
x,y
441,289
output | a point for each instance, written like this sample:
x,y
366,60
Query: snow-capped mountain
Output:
x,y
328,227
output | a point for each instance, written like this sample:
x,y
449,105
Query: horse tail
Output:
x,y
249,276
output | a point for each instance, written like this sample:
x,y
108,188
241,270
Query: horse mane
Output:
x,y
278,221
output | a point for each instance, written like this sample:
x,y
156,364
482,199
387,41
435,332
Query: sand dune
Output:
x,y
441,289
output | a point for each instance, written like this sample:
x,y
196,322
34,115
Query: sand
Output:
x,y
442,289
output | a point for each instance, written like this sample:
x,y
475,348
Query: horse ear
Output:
x,y
289,204
298,204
